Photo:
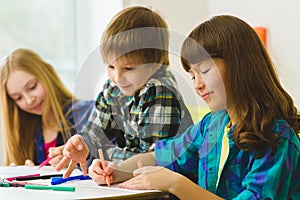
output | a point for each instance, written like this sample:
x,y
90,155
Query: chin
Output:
x,y
127,93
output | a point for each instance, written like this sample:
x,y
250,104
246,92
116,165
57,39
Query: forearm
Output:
x,y
125,169
129,165
185,189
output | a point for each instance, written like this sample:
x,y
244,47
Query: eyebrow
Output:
x,y
26,85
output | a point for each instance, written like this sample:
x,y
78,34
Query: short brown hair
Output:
x,y
136,33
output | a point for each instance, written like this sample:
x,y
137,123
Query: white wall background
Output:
x,y
281,18
92,16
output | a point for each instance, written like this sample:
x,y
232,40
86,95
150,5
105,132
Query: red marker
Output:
x,y
44,163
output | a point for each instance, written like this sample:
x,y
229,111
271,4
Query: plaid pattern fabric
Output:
x,y
197,153
125,125
79,116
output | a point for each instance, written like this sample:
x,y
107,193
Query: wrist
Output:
x,y
176,183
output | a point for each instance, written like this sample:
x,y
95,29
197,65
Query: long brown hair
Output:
x,y
253,89
17,125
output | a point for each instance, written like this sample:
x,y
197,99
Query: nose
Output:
x,y
29,99
118,75
199,83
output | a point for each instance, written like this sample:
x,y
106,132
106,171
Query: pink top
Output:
x,y
48,145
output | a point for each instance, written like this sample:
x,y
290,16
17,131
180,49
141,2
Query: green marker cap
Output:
x,y
56,188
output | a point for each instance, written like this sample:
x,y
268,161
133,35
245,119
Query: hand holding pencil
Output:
x,y
104,173
98,172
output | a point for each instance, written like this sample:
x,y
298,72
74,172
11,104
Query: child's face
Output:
x,y
208,82
130,77
26,91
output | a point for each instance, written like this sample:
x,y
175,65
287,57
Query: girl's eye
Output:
x,y
110,67
205,71
129,69
33,86
192,75
17,98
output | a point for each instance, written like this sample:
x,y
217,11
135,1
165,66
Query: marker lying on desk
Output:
x,y
4,184
25,176
38,177
44,163
16,184
56,188
59,180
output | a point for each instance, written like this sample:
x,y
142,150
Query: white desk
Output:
x,y
85,189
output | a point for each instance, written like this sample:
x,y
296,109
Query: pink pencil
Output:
x,y
104,165
44,163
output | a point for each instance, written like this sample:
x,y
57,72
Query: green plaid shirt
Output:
x,y
196,153
126,125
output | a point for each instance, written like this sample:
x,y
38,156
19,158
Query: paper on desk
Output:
x,y
85,189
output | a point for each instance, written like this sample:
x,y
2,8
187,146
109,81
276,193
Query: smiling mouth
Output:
x,y
205,96
38,106
124,87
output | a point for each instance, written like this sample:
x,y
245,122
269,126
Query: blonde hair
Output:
x,y
136,33
18,126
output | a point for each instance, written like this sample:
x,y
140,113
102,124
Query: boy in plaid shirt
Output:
x,y
140,103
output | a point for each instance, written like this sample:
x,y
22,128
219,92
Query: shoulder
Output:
x,y
82,104
161,84
162,77
287,133
78,108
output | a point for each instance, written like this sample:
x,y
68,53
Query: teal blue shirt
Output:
x,y
196,154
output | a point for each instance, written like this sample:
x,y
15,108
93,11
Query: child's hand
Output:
x,y
75,151
150,178
29,163
56,153
98,174
114,171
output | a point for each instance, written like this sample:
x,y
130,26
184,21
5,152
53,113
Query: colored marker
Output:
x,y
25,176
4,184
45,162
12,184
38,177
59,180
55,188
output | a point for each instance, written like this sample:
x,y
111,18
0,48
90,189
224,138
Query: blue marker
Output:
x,y
59,180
